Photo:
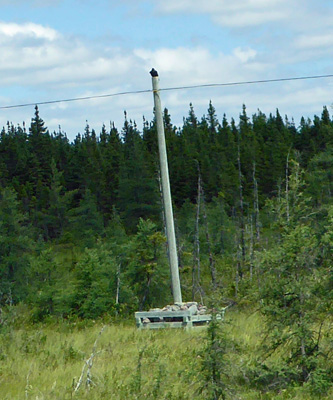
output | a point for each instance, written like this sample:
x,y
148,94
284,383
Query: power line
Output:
x,y
168,89
251,82
74,99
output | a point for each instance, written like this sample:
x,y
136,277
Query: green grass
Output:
x,y
45,361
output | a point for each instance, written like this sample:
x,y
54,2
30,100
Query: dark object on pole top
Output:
x,y
153,72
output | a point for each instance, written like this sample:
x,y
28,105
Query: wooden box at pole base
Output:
x,y
186,315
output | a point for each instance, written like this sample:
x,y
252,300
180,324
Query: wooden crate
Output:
x,y
172,319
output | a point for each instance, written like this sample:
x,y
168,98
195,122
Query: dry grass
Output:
x,y
46,361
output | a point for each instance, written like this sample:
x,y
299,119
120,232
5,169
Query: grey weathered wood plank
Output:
x,y
161,319
157,314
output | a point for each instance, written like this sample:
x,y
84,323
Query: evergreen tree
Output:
x,y
214,365
85,221
212,121
226,162
56,214
147,271
15,247
112,157
94,291
320,177
138,188
40,149
183,166
289,296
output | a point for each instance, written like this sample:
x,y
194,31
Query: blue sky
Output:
x,y
55,49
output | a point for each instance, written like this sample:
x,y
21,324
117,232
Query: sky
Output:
x,y
60,49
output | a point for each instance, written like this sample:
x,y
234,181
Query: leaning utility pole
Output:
x,y
170,228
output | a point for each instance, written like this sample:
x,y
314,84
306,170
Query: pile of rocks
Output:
x,y
193,306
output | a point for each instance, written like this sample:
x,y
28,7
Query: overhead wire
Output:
x,y
100,96
251,82
207,85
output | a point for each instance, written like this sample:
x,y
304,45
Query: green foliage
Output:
x,y
147,269
51,286
56,216
138,188
320,176
85,221
214,364
95,285
81,237
48,359
15,246
291,296
136,384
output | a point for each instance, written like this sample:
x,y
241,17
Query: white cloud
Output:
x,y
238,13
28,30
47,65
32,3
68,69
178,61
244,55
248,18
280,16
187,66
314,41
32,54
215,6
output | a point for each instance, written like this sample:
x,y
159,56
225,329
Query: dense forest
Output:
x,y
82,232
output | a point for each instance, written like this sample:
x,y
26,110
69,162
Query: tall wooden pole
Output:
x,y
170,228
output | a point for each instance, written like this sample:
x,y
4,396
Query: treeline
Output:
x,y
224,177
119,170
81,225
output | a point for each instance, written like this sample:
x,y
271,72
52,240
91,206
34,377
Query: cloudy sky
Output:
x,y
59,49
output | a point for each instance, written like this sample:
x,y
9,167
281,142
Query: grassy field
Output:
x,y
47,361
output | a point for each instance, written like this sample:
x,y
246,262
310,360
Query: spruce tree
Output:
x,y
291,290
138,186
15,247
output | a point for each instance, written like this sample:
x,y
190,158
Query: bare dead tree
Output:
x,y
208,241
87,366
256,203
238,266
251,246
196,272
118,282
256,240
241,264
28,387
287,187
146,292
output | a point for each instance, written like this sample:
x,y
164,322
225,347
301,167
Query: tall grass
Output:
x,y
46,361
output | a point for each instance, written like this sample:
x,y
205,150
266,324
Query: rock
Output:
x,y
193,309
146,321
191,306
191,303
